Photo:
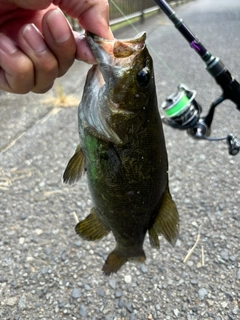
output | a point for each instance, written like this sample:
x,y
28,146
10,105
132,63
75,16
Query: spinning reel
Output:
x,y
181,109
183,112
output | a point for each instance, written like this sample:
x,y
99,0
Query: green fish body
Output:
x,y
122,149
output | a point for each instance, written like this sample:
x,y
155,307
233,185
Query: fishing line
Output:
x,y
149,46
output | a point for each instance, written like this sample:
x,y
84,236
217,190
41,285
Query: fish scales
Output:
x,y
122,150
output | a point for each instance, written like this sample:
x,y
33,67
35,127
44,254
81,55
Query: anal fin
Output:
x,y
75,167
166,222
91,228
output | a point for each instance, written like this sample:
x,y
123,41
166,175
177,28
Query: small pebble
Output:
x,y
210,302
229,296
87,287
100,292
11,301
76,293
22,302
38,231
184,307
21,240
55,231
202,293
82,311
128,278
190,263
175,311
120,303
112,283
78,243
62,304
129,307
235,310
144,268
45,270
238,274
118,293
224,254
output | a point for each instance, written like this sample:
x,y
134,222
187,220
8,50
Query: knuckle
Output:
x,y
50,67
22,79
24,70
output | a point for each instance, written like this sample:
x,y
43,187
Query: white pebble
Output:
x,y
128,278
21,240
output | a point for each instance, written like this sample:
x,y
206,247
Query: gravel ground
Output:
x,y
48,272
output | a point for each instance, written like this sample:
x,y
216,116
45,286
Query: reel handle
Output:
x,y
233,145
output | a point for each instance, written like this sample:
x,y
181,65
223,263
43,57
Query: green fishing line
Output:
x,y
178,107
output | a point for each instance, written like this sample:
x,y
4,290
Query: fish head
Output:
x,y
127,71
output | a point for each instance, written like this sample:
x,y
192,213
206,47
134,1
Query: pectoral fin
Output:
x,y
91,228
166,222
75,167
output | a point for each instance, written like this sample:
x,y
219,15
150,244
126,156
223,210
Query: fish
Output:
x,y
123,153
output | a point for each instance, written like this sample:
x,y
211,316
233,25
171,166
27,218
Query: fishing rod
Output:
x,y
181,109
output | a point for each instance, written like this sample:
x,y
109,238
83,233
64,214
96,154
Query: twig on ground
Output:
x,y
75,216
194,246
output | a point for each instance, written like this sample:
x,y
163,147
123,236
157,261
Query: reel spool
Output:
x,y
181,109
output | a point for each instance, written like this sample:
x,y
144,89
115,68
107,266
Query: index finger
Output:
x,y
93,15
96,20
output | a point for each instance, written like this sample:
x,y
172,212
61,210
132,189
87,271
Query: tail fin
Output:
x,y
116,260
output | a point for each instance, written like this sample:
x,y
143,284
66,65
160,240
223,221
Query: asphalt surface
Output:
x,y
48,272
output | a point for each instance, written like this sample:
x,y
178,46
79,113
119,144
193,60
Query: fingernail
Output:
x,y
33,37
58,26
6,45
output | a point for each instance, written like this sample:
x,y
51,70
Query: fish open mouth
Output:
x,y
106,51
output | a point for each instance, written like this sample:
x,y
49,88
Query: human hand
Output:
x,y
37,45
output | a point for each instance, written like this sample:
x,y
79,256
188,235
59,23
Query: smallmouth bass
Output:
x,y
122,149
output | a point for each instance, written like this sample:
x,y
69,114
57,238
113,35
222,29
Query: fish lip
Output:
x,y
108,51
141,36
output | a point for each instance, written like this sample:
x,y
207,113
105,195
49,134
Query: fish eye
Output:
x,y
143,77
